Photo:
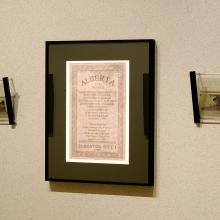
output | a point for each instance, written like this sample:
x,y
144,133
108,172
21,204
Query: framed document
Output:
x,y
100,111
205,90
8,102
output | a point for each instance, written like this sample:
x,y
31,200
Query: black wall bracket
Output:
x,y
195,103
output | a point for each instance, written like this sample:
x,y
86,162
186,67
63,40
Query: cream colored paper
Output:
x,y
97,124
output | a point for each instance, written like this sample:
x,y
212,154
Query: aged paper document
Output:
x,y
97,111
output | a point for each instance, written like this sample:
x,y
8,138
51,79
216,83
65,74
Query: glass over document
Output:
x,y
97,111
209,97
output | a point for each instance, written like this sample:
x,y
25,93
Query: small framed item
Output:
x,y
206,97
7,101
100,111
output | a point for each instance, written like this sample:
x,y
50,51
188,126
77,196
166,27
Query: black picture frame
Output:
x,y
141,54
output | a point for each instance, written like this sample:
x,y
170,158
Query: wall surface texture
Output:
x,y
187,157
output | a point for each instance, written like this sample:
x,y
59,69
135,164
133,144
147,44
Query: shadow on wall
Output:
x,y
105,189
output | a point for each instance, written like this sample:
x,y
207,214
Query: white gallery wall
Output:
x,y
187,35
